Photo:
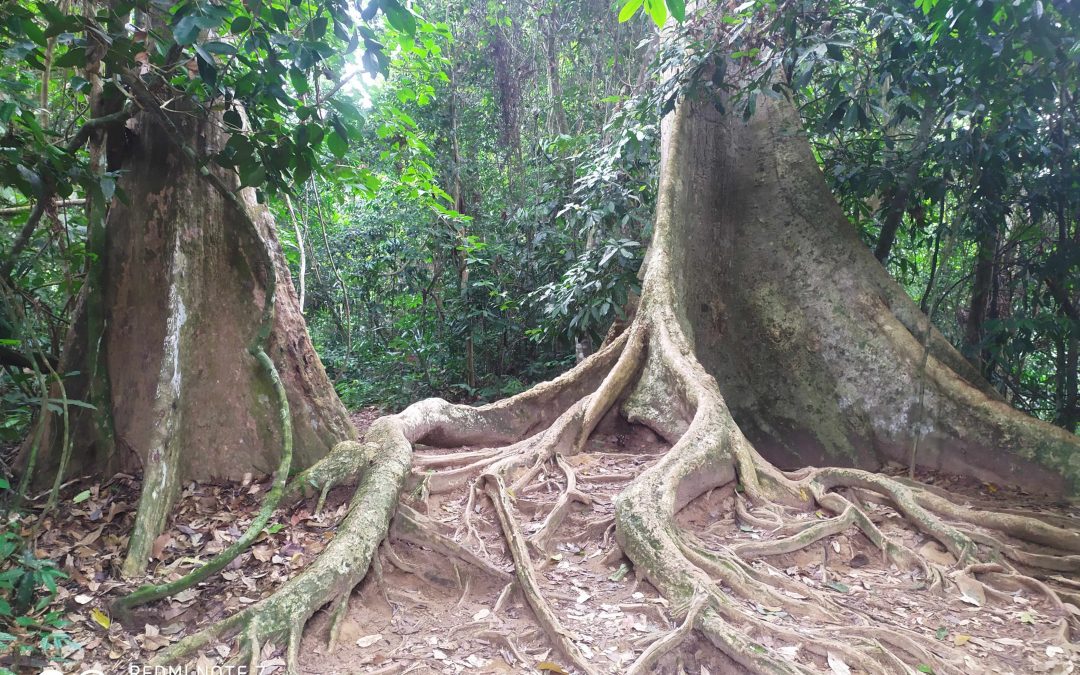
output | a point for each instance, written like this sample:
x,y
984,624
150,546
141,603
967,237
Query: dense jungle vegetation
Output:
x,y
465,192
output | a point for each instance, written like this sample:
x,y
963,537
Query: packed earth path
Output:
x,y
441,598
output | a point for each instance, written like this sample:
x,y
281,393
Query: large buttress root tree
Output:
x,y
193,286
767,340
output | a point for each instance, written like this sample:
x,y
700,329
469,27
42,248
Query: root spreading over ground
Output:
x,y
491,489
756,568
756,616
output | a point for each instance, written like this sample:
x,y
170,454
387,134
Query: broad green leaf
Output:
x,y
186,30
629,10
219,47
399,17
338,145
657,10
677,9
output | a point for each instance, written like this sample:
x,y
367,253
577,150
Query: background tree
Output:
x,y
478,179
187,105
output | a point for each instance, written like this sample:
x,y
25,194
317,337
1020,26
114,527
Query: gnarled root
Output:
x,y
382,463
711,452
334,574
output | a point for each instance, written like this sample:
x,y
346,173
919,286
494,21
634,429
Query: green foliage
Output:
x,y
592,291
272,69
28,587
656,9
469,207
16,404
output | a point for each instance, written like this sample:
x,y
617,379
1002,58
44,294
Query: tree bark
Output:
x,y
182,293
816,349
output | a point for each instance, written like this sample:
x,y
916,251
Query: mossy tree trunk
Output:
x,y
183,284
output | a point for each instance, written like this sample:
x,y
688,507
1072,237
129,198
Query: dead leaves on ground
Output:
x,y
88,538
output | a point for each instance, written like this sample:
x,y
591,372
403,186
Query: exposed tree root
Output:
x,y
645,662
714,587
526,576
555,517
334,574
417,528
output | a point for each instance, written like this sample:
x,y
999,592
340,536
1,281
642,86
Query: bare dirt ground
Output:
x,y
422,611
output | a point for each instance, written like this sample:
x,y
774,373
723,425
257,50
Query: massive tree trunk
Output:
x,y
765,329
183,283
817,351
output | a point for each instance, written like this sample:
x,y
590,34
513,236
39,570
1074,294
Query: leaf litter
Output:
x,y
438,615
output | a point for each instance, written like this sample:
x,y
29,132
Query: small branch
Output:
x,y
62,204
12,357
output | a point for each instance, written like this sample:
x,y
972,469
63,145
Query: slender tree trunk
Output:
x,y
457,192
301,247
345,321
981,291
549,29
901,193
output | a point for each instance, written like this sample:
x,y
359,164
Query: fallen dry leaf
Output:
x,y
186,595
971,590
262,553
837,665
157,551
368,640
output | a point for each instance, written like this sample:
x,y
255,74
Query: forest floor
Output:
x,y
431,613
